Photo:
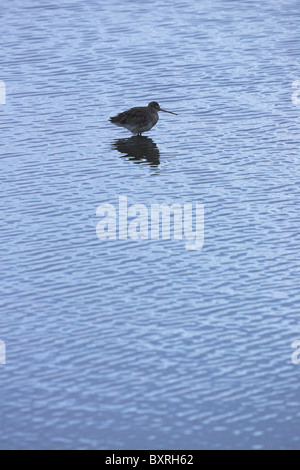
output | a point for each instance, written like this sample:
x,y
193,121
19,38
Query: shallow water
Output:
x,y
143,344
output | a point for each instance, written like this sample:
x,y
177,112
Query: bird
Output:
x,y
141,119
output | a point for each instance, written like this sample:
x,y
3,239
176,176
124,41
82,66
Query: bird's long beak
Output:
x,y
169,112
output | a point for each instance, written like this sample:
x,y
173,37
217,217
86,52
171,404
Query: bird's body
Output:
x,y
139,120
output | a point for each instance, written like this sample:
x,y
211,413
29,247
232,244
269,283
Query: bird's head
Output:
x,y
155,106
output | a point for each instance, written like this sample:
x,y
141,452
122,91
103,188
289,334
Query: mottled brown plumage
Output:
x,y
139,120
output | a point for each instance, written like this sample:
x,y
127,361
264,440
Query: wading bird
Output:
x,y
139,120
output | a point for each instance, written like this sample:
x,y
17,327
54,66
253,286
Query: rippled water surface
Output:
x,y
143,344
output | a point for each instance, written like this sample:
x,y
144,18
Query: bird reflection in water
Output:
x,y
138,149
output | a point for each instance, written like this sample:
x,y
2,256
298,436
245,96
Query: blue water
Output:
x,y
142,344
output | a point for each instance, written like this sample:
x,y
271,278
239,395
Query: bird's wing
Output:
x,y
134,117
